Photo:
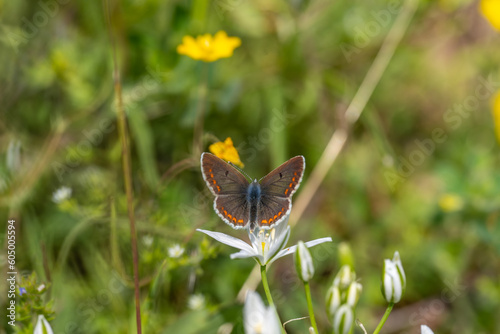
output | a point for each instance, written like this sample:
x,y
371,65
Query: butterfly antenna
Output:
x,y
241,171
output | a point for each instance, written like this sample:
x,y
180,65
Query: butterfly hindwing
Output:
x,y
233,209
284,180
272,210
221,177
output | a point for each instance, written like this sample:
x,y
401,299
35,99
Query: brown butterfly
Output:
x,y
243,204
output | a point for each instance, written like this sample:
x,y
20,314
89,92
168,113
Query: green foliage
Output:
x,y
282,93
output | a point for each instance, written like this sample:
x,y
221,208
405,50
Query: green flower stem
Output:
x,y
200,111
310,307
265,284
384,318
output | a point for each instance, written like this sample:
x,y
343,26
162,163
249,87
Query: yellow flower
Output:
x,y
491,11
496,115
226,151
451,202
208,48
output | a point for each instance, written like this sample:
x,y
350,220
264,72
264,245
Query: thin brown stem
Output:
x,y
127,170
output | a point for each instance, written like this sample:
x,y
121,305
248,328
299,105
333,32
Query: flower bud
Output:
x,y
333,300
425,330
343,320
353,294
345,254
393,279
42,326
303,262
344,277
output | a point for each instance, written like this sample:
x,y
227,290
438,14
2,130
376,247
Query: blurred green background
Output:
x,y
419,173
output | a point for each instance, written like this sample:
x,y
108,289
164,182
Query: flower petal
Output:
x,y
244,255
309,244
425,330
229,240
277,245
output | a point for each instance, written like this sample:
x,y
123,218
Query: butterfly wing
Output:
x,y
229,187
277,189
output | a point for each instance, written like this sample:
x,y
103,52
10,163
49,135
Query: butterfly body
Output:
x,y
253,199
244,204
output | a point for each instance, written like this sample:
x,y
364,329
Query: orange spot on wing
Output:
x,y
229,215
240,221
234,219
290,185
214,181
275,216
225,212
264,221
293,179
218,188
280,213
286,191
212,176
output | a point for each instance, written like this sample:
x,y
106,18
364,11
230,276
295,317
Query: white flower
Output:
x,y
61,194
175,251
343,320
303,262
267,246
425,330
42,326
257,318
41,287
393,279
13,155
147,240
196,302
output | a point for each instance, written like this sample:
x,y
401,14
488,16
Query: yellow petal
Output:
x,y
209,48
451,203
226,151
496,115
224,45
190,47
491,11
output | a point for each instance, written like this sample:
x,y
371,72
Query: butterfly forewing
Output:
x,y
284,180
221,177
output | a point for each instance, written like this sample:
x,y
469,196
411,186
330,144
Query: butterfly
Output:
x,y
244,204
